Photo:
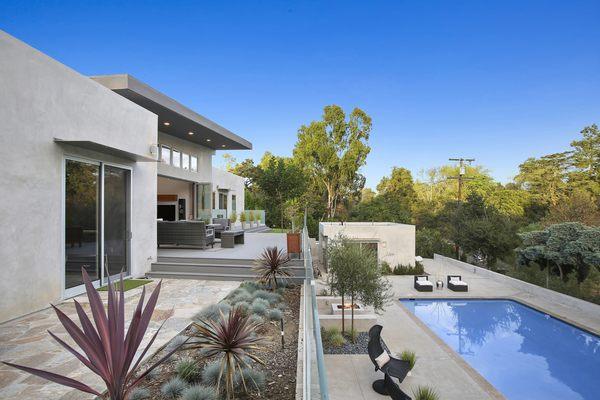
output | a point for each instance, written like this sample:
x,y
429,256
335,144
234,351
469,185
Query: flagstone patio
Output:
x,y
26,341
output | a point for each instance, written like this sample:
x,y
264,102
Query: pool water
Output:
x,y
524,353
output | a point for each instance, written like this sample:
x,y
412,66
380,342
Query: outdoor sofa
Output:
x,y
384,362
456,284
184,234
423,284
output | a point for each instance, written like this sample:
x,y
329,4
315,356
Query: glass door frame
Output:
x,y
77,290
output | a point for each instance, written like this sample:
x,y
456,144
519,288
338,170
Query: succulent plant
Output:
x,y
271,267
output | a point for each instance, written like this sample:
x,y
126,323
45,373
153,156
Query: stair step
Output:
x,y
206,276
219,269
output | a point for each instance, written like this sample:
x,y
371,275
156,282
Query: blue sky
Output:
x,y
497,81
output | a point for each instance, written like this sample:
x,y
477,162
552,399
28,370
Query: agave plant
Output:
x,y
271,266
109,351
230,337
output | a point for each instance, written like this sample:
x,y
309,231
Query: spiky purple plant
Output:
x,y
109,352
271,266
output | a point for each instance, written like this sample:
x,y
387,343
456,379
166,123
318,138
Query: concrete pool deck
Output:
x,y
25,340
438,366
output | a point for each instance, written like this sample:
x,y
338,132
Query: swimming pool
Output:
x,y
524,353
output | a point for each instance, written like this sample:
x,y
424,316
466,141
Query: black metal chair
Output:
x,y
393,390
394,367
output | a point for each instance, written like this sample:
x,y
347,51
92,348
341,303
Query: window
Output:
x,y
233,206
176,158
194,163
185,161
165,154
214,204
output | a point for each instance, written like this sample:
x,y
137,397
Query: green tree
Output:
x,y
279,179
431,241
545,177
585,160
354,272
479,229
333,150
579,206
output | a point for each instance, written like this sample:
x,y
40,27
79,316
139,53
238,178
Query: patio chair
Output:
x,y
393,390
455,283
224,224
383,361
422,283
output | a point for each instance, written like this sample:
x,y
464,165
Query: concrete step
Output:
x,y
235,269
207,276
216,261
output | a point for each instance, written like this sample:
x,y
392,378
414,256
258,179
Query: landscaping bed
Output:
x,y
273,380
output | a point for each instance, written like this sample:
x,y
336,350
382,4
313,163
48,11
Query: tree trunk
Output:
x,y
343,319
560,271
352,318
330,201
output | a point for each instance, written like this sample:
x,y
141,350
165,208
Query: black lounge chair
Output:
x,y
394,367
422,283
456,284
393,390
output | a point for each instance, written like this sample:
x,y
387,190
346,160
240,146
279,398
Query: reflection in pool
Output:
x,y
524,353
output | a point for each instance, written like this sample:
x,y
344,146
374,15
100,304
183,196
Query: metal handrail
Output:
x,y
310,297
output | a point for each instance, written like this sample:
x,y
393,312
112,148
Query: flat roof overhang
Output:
x,y
102,148
181,120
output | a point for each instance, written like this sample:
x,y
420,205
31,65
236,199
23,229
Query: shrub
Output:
x,y
258,308
275,314
239,295
256,319
351,333
337,340
173,388
271,267
199,392
104,337
210,373
243,306
424,393
253,378
213,311
409,270
328,333
187,370
261,301
385,268
250,287
266,295
409,356
139,393
231,338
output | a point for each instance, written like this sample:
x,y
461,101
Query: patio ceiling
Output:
x,y
173,117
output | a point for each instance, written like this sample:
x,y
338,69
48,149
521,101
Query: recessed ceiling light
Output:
x,y
208,140
222,145
166,123
190,133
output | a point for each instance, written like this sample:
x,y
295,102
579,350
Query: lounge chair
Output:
x,y
456,284
422,283
224,224
393,390
383,361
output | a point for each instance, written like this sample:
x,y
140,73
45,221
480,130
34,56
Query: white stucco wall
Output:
x,y
41,99
204,154
234,184
395,242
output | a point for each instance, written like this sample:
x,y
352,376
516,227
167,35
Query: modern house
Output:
x,y
394,243
88,167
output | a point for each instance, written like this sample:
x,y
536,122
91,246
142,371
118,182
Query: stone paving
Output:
x,y
350,376
25,340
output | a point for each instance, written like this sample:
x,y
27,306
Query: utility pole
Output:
x,y
462,171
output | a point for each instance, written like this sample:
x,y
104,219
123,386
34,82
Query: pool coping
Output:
x,y
483,383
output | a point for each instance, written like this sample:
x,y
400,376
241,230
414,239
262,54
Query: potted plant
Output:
x,y
233,219
243,219
257,219
292,213
251,218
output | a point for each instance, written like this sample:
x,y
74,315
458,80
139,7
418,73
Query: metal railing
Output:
x,y
313,346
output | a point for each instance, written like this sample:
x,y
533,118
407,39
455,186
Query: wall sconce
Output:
x,y
154,150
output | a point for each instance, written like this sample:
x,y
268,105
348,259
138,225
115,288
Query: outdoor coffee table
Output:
x,y
231,238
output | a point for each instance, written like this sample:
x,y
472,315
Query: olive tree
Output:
x,y
355,273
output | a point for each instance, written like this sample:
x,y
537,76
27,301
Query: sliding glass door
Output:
x,y
82,220
97,222
116,220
